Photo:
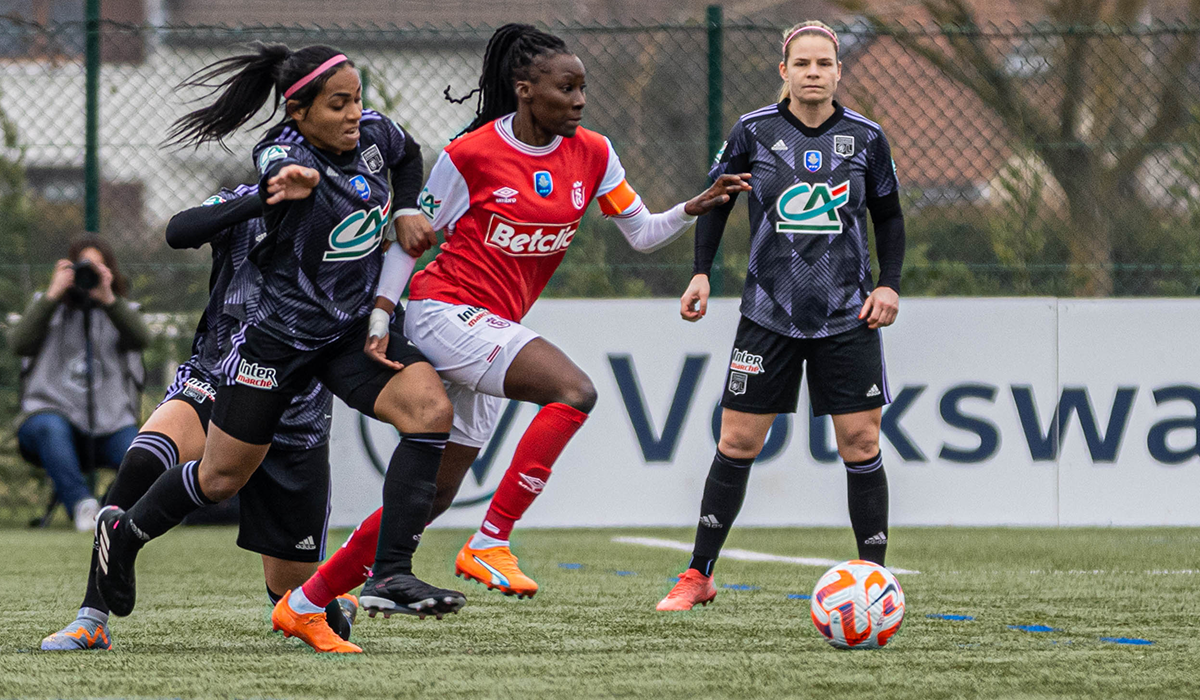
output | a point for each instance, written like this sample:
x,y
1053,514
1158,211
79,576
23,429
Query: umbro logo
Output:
x,y
779,146
532,483
505,195
306,544
711,521
877,538
873,391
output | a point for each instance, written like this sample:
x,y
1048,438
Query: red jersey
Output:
x,y
510,210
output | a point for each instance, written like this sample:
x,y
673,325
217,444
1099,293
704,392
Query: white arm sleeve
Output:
x,y
446,196
648,232
393,278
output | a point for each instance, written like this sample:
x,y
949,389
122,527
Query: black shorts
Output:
x,y
263,373
285,505
846,372
195,388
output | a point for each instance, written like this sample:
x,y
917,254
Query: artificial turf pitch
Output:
x,y
201,627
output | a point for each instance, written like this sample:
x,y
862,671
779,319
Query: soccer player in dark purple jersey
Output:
x,y
817,169
326,177
284,507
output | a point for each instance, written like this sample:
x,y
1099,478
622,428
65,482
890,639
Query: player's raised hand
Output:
x,y
694,302
881,308
717,194
414,234
292,182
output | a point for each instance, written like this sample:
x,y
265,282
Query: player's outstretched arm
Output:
x,y
292,182
724,189
694,302
648,232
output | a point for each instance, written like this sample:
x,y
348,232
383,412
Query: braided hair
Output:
x,y
244,83
509,57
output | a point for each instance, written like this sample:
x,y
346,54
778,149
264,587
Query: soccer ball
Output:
x,y
857,605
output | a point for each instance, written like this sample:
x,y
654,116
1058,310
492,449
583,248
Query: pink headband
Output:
x,y
309,78
823,30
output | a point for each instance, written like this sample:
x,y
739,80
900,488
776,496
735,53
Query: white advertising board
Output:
x,y
1005,412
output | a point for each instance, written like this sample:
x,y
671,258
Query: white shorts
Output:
x,y
471,348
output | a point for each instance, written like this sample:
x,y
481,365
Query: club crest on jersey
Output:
x,y
843,146
271,153
543,184
811,208
812,161
359,234
529,240
373,159
361,187
577,194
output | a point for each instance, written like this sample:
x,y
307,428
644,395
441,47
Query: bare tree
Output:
x,y
1106,99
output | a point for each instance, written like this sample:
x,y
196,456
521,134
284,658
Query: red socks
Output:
x,y
347,568
540,446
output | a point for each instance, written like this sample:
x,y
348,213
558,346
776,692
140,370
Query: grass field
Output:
x,y
201,628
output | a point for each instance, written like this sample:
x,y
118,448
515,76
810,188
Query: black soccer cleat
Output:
x,y
407,594
118,548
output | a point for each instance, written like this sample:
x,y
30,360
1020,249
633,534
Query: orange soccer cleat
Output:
x,y
494,567
311,628
693,587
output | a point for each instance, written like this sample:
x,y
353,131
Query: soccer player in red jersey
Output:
x,y
509,193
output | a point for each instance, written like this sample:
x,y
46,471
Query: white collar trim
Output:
x,y
504,128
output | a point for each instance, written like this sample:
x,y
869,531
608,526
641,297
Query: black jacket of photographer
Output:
x,y
50,338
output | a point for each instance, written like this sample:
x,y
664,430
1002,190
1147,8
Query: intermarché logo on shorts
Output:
x,y
745,361
251,374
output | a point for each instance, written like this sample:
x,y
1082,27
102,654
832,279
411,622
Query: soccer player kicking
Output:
x,y
304,303
284,507
510,193
818,168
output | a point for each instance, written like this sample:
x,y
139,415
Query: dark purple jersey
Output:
x,y
320,260
306,422
810,268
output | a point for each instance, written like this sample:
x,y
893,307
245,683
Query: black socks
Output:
x,y
148,456
172,498
408,491
724,492
867,494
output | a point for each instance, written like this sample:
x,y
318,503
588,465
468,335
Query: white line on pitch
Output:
x,y
740,554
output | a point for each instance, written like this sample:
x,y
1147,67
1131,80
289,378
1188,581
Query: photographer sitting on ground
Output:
x,y
65,408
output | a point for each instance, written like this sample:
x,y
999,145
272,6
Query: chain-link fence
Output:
x,y
1034,161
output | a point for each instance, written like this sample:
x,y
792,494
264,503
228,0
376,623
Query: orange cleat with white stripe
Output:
x,y
693,588
494,567
311,628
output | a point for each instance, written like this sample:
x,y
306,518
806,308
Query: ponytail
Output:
x,y
509,56
244,83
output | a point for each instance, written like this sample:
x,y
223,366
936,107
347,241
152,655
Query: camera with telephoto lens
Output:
x,y
86,277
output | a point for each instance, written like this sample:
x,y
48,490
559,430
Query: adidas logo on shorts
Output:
x,y
873,391
306,544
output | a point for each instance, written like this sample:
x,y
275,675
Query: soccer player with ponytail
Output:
x,y
818,169
510,192
303,301
284,507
